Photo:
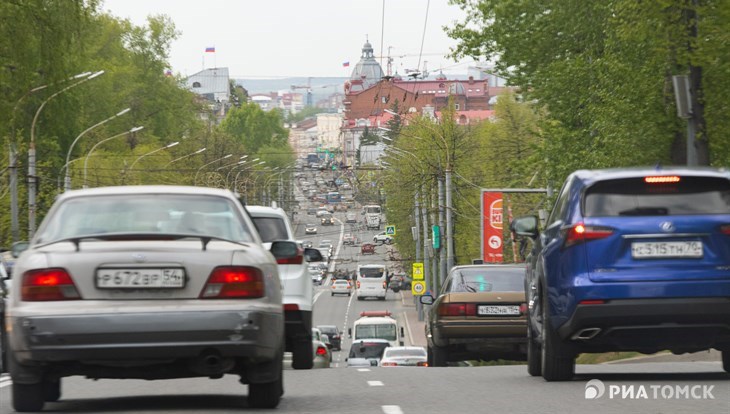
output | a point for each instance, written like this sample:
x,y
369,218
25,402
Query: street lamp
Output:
x,y
31,153
195,180
131,167
185,156
68,154
86,161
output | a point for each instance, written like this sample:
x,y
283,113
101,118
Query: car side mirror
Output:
x,y
313,255
284,249
402,333
18,247
426,300
349,332
525,226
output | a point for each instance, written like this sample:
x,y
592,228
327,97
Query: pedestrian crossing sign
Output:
x,y
390,230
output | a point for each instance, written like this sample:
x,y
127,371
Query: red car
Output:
x,y
367,248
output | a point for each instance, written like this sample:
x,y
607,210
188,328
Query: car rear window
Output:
x,y
375,273
368,350
271,228
489,280
636,197
405,352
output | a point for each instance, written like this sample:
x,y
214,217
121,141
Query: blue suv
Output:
x,y
629,260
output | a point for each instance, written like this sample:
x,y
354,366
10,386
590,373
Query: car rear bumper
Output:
x,y
146,336
513,331
649,325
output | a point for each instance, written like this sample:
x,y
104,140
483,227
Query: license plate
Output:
x,y
658,250
498,310
146,278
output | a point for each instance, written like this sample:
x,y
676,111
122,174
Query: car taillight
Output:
x,y
388,364
661,179
592,302
321,351
422,364
296,260
580,233
385,285
523,308
358,284
48,284
457,309
291,307
227,282
725,229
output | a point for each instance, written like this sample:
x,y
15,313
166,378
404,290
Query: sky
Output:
x,y
281,38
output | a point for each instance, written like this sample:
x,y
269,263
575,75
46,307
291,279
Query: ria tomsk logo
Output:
x,y
594,389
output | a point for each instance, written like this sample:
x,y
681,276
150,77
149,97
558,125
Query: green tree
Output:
x,y
254,127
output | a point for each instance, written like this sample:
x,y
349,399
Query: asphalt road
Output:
x,y
496,389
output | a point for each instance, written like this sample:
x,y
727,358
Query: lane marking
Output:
x,y
5,381
375,383
317,295
408,325
363,369
391,409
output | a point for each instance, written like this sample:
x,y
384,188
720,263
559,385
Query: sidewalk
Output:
x,y
414,328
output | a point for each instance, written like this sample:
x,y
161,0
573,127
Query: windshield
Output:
x,y
147,213
385,331
489,279
372,209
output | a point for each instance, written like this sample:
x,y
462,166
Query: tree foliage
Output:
x,y
255,128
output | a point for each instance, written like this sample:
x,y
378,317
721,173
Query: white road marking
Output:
x,y
5,381
392,409
375,383
317,295
363,369
408,325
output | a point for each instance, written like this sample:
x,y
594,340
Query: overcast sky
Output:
x,y
277,38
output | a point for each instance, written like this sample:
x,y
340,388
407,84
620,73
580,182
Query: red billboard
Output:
x,y
492,241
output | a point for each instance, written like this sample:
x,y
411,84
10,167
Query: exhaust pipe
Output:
x,y
586,334
210,363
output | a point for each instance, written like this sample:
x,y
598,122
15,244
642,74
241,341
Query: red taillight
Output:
x,y
292,307
321,351
385,285
358,284
296,260
48,284
580,233
592,302
388,364
234,282
457,309
523,308
661,179
725,229
422,364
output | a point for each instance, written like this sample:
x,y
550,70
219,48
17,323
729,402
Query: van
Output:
x,y
371,281
377,325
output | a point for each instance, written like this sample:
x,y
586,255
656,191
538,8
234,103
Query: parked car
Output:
x,y
187,261
404,356
334,334
367,248
273,224
321,356
310,229
341,286
481,314
630,260
382,238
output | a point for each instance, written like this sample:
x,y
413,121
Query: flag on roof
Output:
x,y
345,64
210,49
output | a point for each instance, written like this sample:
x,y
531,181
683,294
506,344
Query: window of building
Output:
x,y
456,106
196,84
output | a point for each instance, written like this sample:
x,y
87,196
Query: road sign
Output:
x,y
390,230
436,237
418,271
418,287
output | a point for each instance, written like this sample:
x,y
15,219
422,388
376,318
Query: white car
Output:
x,y
404,356
147,282
273,224
310,229
382,238
341,287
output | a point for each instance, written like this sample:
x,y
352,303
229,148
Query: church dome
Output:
x,y
367,70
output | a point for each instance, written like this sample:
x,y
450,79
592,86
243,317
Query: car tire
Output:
x,y
349,294
534,356
558,363
267,395
440,356
28,397
359,298
333,294
52,390
726,360
302,355
429,356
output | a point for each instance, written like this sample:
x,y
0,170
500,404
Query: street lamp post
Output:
x,y
86,160
185,156
131,167
195,180
31,153
70,149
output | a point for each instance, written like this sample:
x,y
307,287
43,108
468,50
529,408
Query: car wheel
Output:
x,y
28,397
268,394
359,298
558,364
333,294
302,355
726,360
534,360
52,390
440,356
429,356
349,294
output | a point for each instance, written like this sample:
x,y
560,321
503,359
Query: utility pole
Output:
x,y
442,225
416,214
449,222
426,269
